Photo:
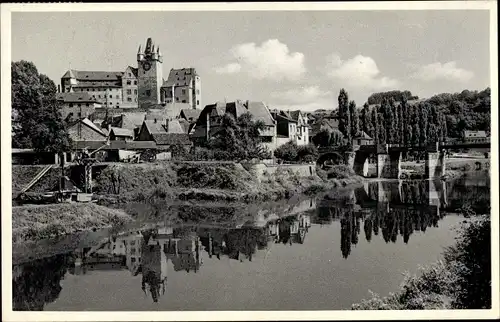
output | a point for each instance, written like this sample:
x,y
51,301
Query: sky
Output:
x,y
288,59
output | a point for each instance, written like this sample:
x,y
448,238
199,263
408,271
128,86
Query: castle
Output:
x,y
143,87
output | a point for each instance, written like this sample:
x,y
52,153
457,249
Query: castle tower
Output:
x,y
150,75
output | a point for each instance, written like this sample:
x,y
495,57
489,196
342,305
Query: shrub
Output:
x,y
307,153
340,172
287,152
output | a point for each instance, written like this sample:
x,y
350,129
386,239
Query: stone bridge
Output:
x,y
388,157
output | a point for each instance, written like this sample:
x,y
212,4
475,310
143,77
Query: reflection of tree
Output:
x,y
242,241
368,226
39,283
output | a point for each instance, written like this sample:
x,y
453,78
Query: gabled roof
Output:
x,y
294,115
173,126
171,138
236,108
190,113
76,97
93,75
180,77
122,132
166,112
154,127
362,135
133,70
128,120
91,125
260,112
186,125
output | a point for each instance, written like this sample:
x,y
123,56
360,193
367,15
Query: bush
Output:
x,y
287,152
470,261
307,153
340,172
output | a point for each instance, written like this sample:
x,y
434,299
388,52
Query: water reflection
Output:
x,y
380,209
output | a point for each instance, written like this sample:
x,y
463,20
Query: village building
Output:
x,y
182,86
123,134
77,105
291,126
209,121
85,130
475,136
361,138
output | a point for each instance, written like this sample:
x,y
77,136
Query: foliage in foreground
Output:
x,y
291,152
461,281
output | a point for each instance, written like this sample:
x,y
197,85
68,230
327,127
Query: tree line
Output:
x,y
397,120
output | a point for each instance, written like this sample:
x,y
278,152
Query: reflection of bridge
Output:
x,y
389,157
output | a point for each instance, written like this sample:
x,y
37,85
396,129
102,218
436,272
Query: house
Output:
x,y
116,133
475,136
126,120
77,105
329,123
164,135
361,138
209,121
85,130
190,115
291,126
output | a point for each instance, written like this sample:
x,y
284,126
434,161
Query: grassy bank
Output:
x,y
462,280
228,182
35,222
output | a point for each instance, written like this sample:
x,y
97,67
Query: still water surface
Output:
x,y
323,253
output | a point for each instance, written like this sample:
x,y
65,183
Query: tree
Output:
x,y
344,115
353,113
239,139
36,117
375,122
366,121
326,138
287,152
423,124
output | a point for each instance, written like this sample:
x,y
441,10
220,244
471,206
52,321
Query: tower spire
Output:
x,y
139,51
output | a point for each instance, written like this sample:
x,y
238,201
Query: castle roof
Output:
x,y
73,97
180,77
260,112
93,75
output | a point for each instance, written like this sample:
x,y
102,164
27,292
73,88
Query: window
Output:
x,y
183,101
110,103
110,96
132,259
99,96
79,105
87,104
129,99
70,104
129,75
135,82
129,82
176,99
132,243
198,91
183,92
148,92
79,115
129,91
198,102
135,99
135,91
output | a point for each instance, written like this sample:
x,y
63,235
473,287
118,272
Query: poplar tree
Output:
x,y
344,116
353,112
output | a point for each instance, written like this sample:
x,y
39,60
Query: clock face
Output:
x,y
146,66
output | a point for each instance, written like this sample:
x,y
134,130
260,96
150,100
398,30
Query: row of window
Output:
x,y
129,91
130,82
96,89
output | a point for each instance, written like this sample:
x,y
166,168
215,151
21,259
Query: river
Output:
x,y
322,253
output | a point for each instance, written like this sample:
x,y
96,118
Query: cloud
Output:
x,y
231,68
358,72
271,60
300,95
447,71
305,98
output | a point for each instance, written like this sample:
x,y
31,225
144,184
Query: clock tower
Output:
x,y
150,75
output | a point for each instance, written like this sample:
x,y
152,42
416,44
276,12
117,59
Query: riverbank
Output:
x,y
462,280
119,185
35,222
230,182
